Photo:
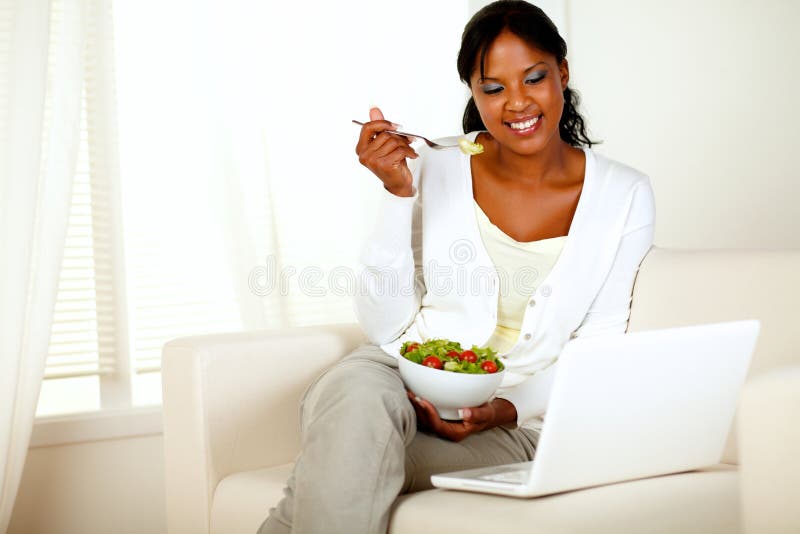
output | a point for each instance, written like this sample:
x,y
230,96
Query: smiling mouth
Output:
x,y
524,125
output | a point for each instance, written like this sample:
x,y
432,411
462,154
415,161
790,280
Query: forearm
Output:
x,y
530,397
388,290
504,413
401,191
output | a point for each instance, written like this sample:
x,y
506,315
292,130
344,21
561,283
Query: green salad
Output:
x,y
449,356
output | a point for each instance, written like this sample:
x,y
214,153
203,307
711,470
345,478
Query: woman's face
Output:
x,y
520,98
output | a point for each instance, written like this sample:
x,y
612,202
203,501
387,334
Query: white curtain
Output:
x,y
237,150
40,98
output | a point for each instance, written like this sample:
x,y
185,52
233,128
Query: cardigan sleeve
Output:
x,y
389,282
610,310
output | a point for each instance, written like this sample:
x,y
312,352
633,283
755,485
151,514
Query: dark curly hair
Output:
x,y
530,24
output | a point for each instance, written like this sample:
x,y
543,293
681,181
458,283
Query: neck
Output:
x,y
546,167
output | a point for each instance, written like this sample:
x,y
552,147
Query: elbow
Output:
x,y
378,327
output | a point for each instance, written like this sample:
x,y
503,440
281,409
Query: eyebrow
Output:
x,y
526,71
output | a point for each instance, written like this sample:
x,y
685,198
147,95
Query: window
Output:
x,y
216,144
124,286
81,351
88,360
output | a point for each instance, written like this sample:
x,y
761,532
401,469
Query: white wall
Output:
x,y
93,488
702,96
699,95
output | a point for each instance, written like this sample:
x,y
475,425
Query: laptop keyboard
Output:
x,y
515,477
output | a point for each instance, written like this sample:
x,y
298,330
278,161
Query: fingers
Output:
x,y
386,157
475,419
370,130
428,418
479,414
390,153
422,411
478,418
385,143
422,417
385,153
375,114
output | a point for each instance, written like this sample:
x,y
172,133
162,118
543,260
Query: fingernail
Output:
x,y
419,401
397,125
461,413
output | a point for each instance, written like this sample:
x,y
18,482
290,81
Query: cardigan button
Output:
x,y
527,336
532,303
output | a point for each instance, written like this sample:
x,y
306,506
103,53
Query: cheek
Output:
x,y
555,96
488,108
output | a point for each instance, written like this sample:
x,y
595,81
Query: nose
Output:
x,y
518,99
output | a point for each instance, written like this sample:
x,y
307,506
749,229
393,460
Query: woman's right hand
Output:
x,y
385,154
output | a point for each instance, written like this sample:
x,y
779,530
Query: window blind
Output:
x,y
83,336
166,233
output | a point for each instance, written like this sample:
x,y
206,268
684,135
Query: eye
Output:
x,y
491,88
535,78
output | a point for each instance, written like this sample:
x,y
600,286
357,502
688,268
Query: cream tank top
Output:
x,y
521,267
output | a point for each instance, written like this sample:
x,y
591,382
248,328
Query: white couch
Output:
x,y
231,420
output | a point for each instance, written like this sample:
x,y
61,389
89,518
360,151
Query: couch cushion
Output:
x,y
704,502
242,500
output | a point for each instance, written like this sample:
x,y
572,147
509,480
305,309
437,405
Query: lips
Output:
x,y
524,126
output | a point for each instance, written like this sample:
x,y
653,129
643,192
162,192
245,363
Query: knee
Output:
x,y
357,391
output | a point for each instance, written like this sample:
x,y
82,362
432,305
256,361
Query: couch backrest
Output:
x,y
681,287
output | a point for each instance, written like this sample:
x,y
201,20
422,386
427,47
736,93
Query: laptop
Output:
x,y
630,406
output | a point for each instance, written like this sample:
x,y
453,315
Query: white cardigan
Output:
x,y
425,273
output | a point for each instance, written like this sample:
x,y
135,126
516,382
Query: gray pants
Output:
x,y
361,449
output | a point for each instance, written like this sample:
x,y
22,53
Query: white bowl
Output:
x,y
446,390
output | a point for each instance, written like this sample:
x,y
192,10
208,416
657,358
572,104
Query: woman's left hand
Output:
x,y
474,419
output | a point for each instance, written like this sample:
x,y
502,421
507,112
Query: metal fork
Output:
x,y
435,146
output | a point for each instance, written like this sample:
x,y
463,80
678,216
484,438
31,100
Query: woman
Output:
x,y
456,232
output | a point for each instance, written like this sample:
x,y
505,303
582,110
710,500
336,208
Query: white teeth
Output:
x,y
524,125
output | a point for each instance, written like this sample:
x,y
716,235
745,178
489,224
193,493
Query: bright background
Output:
x,y
699,95
237,151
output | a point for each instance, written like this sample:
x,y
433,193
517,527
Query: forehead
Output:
x,y
509,53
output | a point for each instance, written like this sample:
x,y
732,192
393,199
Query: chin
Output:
x,y
523,146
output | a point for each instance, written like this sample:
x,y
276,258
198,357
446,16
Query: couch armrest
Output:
x,y
231,403
769,452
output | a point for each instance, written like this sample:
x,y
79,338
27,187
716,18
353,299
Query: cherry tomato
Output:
x,y
413,346
489,367
432,361
454,354
469,356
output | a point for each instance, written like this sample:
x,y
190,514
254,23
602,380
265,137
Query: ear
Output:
x,y
563,68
